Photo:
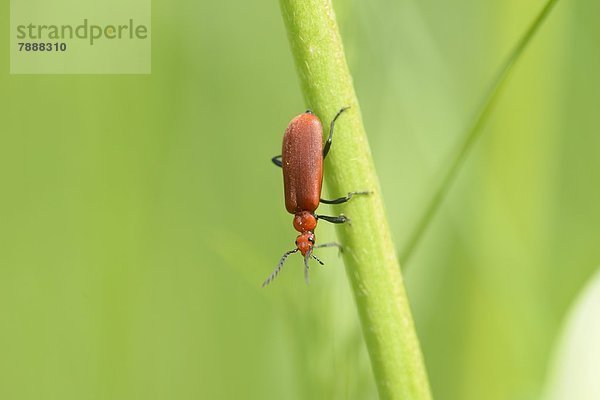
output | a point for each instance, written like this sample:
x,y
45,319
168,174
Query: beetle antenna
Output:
x,y
306,267
279,266
317,258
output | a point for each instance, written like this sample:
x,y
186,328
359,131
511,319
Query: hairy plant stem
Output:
x,y
369,253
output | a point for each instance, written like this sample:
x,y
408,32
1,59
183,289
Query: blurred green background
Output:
x,y
139,214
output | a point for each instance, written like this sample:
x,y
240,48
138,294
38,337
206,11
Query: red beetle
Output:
x,y
301,159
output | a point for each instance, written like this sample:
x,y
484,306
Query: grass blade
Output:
x,y
465,146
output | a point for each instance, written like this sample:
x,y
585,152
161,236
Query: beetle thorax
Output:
x,y
305,221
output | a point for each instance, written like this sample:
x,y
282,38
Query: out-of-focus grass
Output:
x,y
469,139
573,372
493,278
139,215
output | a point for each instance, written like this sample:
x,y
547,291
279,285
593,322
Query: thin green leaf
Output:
x,y
473,133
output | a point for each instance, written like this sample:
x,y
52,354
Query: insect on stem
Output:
x,y
301,161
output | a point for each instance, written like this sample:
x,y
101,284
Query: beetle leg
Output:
x,y
328,143
334,220
343,199
331,244
277,161
306,267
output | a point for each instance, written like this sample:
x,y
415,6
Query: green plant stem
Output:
x,y
473,133
369,253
